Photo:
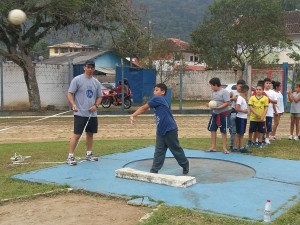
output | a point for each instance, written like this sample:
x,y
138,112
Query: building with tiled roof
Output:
x,y
292,22
292,25
179,49
68,47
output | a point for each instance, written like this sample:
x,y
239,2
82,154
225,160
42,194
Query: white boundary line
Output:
x,y
35,120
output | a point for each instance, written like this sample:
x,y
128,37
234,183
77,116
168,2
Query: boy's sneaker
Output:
x,y
249,144
259,145
186,170
296,138
267,142
71,161
244,150
272,138
291,137
90,157
234,150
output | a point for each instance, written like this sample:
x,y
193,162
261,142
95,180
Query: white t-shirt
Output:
x,y
273,96
279,105
234,93
243,105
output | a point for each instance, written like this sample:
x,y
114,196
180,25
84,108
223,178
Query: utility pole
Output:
x,y
180,83
1,83
150,36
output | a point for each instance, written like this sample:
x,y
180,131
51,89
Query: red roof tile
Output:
x,y
292,21
178,45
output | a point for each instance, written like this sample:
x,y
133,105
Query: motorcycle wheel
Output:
x,y
106,103
127,103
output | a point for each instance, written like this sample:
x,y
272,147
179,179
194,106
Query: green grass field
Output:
x,y
56,152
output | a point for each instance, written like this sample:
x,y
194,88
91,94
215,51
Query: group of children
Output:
x,y
265,107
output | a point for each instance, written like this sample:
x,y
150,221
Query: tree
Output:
x,y
236,32
163,58
90,16
132,42
289,5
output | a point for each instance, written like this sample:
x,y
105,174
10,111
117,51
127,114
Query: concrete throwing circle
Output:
x,y
205,170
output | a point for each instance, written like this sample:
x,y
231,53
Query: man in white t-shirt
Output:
x,y
272,103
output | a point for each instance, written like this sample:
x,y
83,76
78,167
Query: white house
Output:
x,y
179,50
292,24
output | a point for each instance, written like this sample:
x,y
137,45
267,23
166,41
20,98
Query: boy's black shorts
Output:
x,y
80,122
258,126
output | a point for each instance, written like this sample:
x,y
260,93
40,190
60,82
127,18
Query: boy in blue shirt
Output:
x,y
166,132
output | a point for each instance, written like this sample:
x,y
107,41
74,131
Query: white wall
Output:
x,y
195,83
53,82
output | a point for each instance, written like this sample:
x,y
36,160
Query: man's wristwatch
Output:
x,y
97,106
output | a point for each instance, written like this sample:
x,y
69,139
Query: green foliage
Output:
x,y
177,18
236,32
133,41
167,215
289,5
41,48
294,54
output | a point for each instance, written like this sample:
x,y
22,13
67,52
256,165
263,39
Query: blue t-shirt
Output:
x,y
163,116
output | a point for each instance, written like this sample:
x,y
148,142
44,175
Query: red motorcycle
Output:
x,y
112,99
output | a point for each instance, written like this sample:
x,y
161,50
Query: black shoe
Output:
x,y
153,171
235,150
186,170
244,150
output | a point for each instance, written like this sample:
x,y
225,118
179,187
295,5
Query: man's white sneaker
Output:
x,y
71,161
296,138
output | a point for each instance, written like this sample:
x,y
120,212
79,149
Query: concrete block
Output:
x,y
170,180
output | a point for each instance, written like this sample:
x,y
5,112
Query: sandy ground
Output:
x,y
70,209
82,209
60,129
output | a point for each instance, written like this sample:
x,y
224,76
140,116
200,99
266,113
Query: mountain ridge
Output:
x,y
174,18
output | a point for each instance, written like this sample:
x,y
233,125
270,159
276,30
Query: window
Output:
x,y
63,50
194,58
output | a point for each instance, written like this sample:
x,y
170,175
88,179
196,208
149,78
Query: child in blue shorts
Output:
x,y
241,107
219,117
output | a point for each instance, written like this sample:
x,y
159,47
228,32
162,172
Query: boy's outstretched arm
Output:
x,y
139,111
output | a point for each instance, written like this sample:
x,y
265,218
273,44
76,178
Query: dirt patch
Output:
x,y
69,209
110,127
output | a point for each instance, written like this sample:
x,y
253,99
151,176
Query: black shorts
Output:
x,y
80,122
258,126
